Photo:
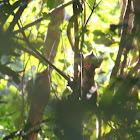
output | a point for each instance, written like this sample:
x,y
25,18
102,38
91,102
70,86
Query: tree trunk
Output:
x,y
41,90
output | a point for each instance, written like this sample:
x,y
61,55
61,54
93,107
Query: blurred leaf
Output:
x,y
3,83
50,3
7,71
45,15
91,2
34,9
12,89
5,59
88,45
102,38
66,93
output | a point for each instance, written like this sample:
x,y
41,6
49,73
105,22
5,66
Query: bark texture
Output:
x,y
41,89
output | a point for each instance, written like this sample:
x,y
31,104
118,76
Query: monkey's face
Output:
x,y
91,62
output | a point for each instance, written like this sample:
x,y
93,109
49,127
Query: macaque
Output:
x,y
88,86
91,62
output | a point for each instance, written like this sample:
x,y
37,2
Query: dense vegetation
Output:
x,y
41,70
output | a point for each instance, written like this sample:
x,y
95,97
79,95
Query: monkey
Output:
x,y
91,62
86,77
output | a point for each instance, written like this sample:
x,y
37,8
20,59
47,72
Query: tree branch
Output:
x,y
17,16
67,77
123,40
49,14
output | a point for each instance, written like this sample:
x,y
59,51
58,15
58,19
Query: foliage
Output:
x,y
118,101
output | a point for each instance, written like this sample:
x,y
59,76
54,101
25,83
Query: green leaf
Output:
x,y
50,3
45,15
102,38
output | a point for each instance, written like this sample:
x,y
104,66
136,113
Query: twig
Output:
x,y
81,48
133,70
122,42
30,52
94,7
24,131
27,12
88,5
76,45
67,77
17,16
128,47
50,13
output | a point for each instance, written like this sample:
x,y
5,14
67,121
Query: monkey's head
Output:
x,y
91,62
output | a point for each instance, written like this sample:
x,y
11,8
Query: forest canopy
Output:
x,y
70,70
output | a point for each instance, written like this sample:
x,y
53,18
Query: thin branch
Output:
x,y
25,131
128,47
81,48
17,16
30,52
28,25
76,45
94,7
67,77
50,13
133,70
27,13
88,5
40,56
122,44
